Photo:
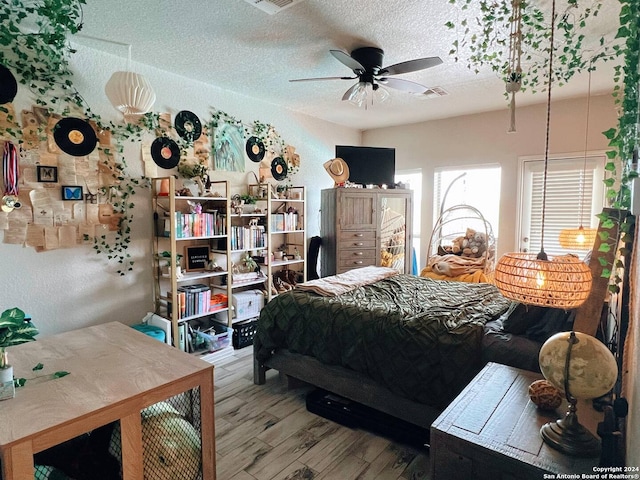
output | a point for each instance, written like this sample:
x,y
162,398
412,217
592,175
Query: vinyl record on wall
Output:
x,y
75,136
8,85
255,149
188,125
165,152
279,168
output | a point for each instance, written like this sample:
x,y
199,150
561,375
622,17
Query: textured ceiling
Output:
x,y
235,46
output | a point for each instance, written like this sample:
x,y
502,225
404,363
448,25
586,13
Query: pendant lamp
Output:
x,y
560,282
130,92
514,75
580,238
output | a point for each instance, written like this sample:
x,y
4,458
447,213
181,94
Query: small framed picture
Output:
x,y
196,258
72,192
47,173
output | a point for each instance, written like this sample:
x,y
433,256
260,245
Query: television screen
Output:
x,y
369,165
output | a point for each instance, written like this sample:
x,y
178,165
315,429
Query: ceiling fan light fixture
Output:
x,y
366,94
358,95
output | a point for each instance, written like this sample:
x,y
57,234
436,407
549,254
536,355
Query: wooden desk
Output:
x,y
115,372
492,431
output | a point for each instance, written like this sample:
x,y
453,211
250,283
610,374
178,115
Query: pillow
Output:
x,y
521,317
554,320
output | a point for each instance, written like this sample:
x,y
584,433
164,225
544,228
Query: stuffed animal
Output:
x,y
457,244
474,243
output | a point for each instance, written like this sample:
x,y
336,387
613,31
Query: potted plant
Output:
x,y
13,331
165,255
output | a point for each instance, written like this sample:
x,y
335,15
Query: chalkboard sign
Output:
x,y
196,257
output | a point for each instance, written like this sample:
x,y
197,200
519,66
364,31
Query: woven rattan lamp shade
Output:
x,y
562,282
577,238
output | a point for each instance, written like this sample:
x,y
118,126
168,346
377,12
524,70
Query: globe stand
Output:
x,y
569,436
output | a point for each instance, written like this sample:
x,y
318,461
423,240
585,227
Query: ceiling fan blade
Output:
x,y
347,94
348,60
411,66
404,85
321,78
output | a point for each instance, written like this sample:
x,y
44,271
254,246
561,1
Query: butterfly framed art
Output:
x,y
72,192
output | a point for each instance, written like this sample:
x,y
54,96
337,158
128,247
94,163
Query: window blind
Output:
x,y
574,196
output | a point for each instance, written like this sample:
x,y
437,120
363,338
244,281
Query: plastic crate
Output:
x,y
243,333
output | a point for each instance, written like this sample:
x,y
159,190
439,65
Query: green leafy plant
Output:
x,y
484,39
248,199
39,57
167,256
14,330
624,139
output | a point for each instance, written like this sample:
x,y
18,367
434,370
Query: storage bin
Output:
x,y
217,337
247,304
150,330
243,333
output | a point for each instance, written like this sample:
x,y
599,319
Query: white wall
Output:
x,y
483,139
71,288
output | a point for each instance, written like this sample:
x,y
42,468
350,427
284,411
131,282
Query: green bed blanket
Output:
x,y
417,336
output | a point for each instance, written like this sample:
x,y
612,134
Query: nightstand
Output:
x,y
492,431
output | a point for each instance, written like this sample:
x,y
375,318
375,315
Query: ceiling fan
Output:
x,y
366,63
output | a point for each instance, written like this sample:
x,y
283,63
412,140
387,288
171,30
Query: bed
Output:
x,y
402,344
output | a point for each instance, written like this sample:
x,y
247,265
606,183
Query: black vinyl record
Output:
x,y
75,136
165,152
8,85
279,168
188,125
255,149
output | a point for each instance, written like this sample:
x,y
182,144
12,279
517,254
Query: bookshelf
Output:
x,y
191,246
286,239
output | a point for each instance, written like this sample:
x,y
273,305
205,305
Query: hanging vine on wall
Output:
x,y
622,159
40,61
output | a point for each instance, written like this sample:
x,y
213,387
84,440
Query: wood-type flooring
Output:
x,y
264,432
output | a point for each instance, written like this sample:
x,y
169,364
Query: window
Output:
x,y
575,194
477,186
413,180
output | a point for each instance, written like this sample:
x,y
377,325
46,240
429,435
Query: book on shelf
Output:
x,y
192,300
281,222
245,237
199,224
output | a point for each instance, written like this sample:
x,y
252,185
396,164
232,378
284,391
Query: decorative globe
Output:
x,y
593,370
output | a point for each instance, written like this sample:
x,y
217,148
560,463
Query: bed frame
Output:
x,y
346,383
359,388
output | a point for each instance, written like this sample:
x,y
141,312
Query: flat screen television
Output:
x,y
369,165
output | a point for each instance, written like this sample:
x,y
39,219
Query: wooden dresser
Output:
x,y
363,227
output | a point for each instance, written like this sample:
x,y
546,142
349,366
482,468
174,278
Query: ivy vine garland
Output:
x,y
40,62
484,40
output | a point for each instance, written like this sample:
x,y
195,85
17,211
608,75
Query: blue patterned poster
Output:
x,y
228,148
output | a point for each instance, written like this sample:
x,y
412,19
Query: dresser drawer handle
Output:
x,y
358,254
358,244
358,235
357,262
